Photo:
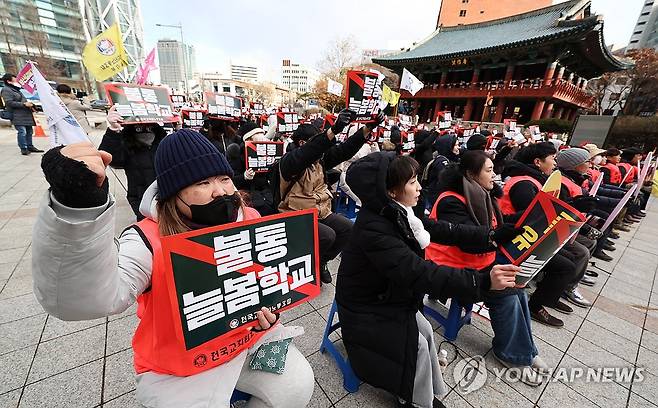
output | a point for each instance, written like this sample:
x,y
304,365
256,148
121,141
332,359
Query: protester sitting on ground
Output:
x,y
81,272
466,199
302,179
524,177
383,277
75,106
133,149
255,185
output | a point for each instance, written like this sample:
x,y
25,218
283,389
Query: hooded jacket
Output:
x,y
383,277
432,172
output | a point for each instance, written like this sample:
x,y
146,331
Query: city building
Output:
x,y
98,15
298,78
244,73
47,32
458,12
176,62
529,66
645,34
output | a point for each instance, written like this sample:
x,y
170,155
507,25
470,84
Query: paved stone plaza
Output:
x,y
45,362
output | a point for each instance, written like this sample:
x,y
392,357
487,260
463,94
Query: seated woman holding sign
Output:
x,y
466,199
383,278
81,272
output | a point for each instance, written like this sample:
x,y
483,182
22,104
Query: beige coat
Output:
x,y
78,110
309,191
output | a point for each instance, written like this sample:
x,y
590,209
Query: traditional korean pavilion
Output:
x,y
528,66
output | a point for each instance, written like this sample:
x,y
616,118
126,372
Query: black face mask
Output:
x,y
221,210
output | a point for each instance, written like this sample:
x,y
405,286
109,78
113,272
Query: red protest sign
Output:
x,y
219,277
548,224
287,121
260,155
140,103
363,95
193,118
222,106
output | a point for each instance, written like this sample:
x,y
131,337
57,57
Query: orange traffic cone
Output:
x,y
38,130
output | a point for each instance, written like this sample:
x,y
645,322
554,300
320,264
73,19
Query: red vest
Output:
x,y
574,189
505,203
594,175
615,174
453,256
157,344
630,178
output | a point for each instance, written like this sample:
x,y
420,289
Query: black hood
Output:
x,y
515,168
367,179
444,145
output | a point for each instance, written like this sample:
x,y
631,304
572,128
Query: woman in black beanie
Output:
x,y
81,273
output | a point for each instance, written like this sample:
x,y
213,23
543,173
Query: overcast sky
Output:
x,y
262,32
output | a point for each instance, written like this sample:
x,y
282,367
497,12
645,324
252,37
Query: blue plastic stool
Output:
x,y
350,381
345,205
239,396
454,321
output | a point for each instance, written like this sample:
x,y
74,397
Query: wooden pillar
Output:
x,y
560,74
509,74
548,111
537,111
572,114
475,77
468,109
444,78
437,108
550,71
500,110
558,112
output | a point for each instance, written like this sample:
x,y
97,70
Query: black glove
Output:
x,y
584,204
505,233
378,121
344,118
71,182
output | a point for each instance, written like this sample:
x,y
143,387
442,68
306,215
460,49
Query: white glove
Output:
x,y
249,174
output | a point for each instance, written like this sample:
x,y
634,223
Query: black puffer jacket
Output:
x,y
15,103
137,160
431,177
383,276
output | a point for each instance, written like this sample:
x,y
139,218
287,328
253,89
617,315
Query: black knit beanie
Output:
x,y
184,158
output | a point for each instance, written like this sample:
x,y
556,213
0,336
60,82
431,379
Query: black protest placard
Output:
x,y
548,224
260,155
287,121
139,103
363,95
223,106
193,118
219,277
178,101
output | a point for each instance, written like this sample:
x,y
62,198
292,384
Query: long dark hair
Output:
x,y
472,162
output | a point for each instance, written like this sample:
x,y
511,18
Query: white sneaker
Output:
x,y
575,297
525,374
540,366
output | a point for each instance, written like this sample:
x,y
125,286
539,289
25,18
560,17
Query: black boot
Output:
x,y
25,152
325,275
33,149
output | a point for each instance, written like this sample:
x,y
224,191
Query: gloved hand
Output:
x,y
114,119
344,118
379,119
505,233
584,204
